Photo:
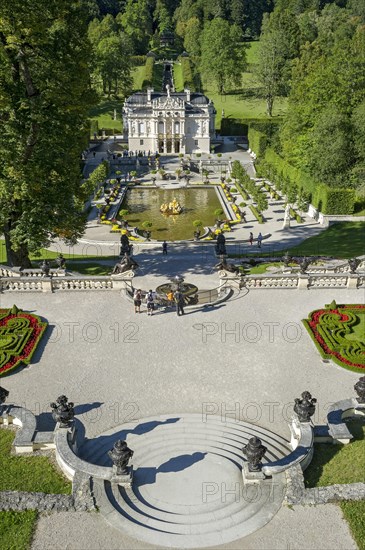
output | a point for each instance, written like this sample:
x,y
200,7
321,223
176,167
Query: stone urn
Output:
x,y
63,411
359,387
254,451
305,407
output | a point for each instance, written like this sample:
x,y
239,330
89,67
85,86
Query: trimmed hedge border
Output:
x,y
256,213
324,334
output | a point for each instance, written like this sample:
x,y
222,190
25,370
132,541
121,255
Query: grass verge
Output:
x,y
354,514
16,529
333,464
28,473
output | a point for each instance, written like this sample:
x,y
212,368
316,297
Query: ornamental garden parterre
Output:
x,y
338,333
20,334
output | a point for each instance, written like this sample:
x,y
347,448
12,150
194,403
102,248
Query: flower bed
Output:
x,y
20,333
333,331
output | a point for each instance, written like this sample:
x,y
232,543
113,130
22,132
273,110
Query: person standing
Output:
x,y
164,248
137,299
150,301
251,239
259,240
179,301
170,298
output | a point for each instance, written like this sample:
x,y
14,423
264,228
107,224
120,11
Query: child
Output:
x,y
251,238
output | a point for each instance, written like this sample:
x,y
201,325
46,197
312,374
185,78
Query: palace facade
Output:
x,y
169,122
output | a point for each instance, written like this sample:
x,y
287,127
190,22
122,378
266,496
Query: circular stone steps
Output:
x,y
187,489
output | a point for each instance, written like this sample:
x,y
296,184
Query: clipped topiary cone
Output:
x,y
14,310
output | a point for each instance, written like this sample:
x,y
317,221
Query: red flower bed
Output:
x,y
316,320
28,335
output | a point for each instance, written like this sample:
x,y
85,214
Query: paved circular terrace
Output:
x,y
187,489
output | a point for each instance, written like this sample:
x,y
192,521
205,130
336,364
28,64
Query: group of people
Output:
x,y
173,298
259,239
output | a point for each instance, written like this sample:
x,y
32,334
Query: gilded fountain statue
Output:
x,y
173,207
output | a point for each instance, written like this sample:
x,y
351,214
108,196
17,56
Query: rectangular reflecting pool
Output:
x,y
144,205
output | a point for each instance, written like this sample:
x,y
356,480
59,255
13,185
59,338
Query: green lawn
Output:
x,y
178,78
24,473
138,77
354,513
333,464
73,263
28,473
104,114
16,529
252,52
341,240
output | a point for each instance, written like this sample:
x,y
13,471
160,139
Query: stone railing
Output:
x,y
51,284
299,281
9,272
27,438
302,444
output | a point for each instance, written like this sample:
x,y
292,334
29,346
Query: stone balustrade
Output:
x,y
50,284
302,444
297,280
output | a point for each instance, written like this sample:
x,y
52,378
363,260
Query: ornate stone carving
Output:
x,y
305,406
63,411
359,387
120,455
304,264
254,451
354,264
3,395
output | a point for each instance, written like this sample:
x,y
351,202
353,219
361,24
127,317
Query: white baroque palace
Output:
x,y
169,122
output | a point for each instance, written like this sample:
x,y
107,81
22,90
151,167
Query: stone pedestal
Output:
x,y
352,280
122,480
251,477
286,223
303,281
46,285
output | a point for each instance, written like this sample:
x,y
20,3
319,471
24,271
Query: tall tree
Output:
x,y
192,38
44,100
223,56
113,56
136,22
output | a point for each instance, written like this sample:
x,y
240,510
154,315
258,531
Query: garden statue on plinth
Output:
x,y
125,247
125,264
220,247
224,266
360,389
63,411
286,223
3,395
354,264
45,268
120,455
305,406
60,261
303,265
286,259
254,451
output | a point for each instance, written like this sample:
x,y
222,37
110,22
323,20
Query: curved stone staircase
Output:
x,y
187,489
